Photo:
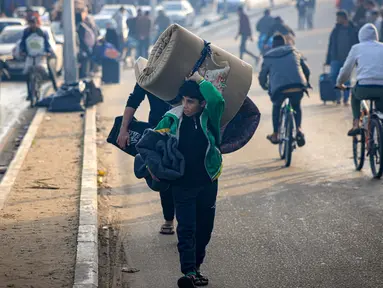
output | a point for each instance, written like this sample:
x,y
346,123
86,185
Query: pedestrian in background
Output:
x,y
264,25
302,10
143,28
87,40
347,5
111,67
119,18
381,26
132,42
310,11
342,38
377,21
280,27
246,34
162,22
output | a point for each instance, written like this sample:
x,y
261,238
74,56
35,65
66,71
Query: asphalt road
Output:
x,y
315,224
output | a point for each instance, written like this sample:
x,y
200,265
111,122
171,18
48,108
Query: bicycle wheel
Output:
x,y
358,150
376,148
282,133
289,139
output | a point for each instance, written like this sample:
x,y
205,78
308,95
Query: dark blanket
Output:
x,y
238,132
160,154
136,129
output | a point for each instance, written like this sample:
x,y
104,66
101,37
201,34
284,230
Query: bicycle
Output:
x,y
35,80
287,132
368,143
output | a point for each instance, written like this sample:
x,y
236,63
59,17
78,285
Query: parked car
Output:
x,y
58,31
10,40
111,10
102,20
180,12
4,22
21,12
147,8
232,5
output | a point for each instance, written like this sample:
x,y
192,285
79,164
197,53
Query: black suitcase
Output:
x,y
327,88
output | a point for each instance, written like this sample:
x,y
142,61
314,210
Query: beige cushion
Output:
x,y
174,56
139,66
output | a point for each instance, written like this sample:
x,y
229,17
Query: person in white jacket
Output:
x,y
367,56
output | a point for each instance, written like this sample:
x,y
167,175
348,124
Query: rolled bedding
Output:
x,y
174,56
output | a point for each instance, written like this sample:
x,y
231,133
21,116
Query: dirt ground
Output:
x,y
38,225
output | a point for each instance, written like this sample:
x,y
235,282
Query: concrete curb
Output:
x,y
86,267
14,168
234,19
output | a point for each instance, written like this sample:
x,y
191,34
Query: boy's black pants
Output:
x,y
195,212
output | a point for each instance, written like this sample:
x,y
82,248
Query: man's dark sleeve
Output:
x,y
23,47
136,97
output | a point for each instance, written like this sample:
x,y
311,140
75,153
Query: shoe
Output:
x,y
301,141
272,139
353,132
346,104
338,102
187,281
200,279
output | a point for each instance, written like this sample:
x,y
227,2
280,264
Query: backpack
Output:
x,y
89,36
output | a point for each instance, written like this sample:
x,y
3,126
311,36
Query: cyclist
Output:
x,y
368,57
34,42
285,74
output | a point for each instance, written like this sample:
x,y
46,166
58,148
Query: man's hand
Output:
x,y
123,139
341,87
152,175
195,77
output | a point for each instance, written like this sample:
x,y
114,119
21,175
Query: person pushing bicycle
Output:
x,y
367,56
285,74
35,43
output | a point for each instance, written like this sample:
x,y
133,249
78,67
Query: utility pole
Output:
x,y
70,55
153,5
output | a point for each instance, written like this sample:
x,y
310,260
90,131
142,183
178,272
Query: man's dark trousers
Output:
x,y
167,204
195,212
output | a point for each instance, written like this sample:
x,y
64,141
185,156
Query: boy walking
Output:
x,y
196,124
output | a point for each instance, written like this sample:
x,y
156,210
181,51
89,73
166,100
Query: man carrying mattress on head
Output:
x,y
196,124
157,109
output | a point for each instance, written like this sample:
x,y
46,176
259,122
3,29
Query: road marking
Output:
x,y
86,268
17,162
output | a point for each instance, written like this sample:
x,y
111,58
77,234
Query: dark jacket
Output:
x,y
158,108
283,68
160,154
244,26
112,37
332,52
279,27
265,24
132,25
27,33
163,22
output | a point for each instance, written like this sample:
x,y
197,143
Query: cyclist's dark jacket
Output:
x,y
283,68
28,32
